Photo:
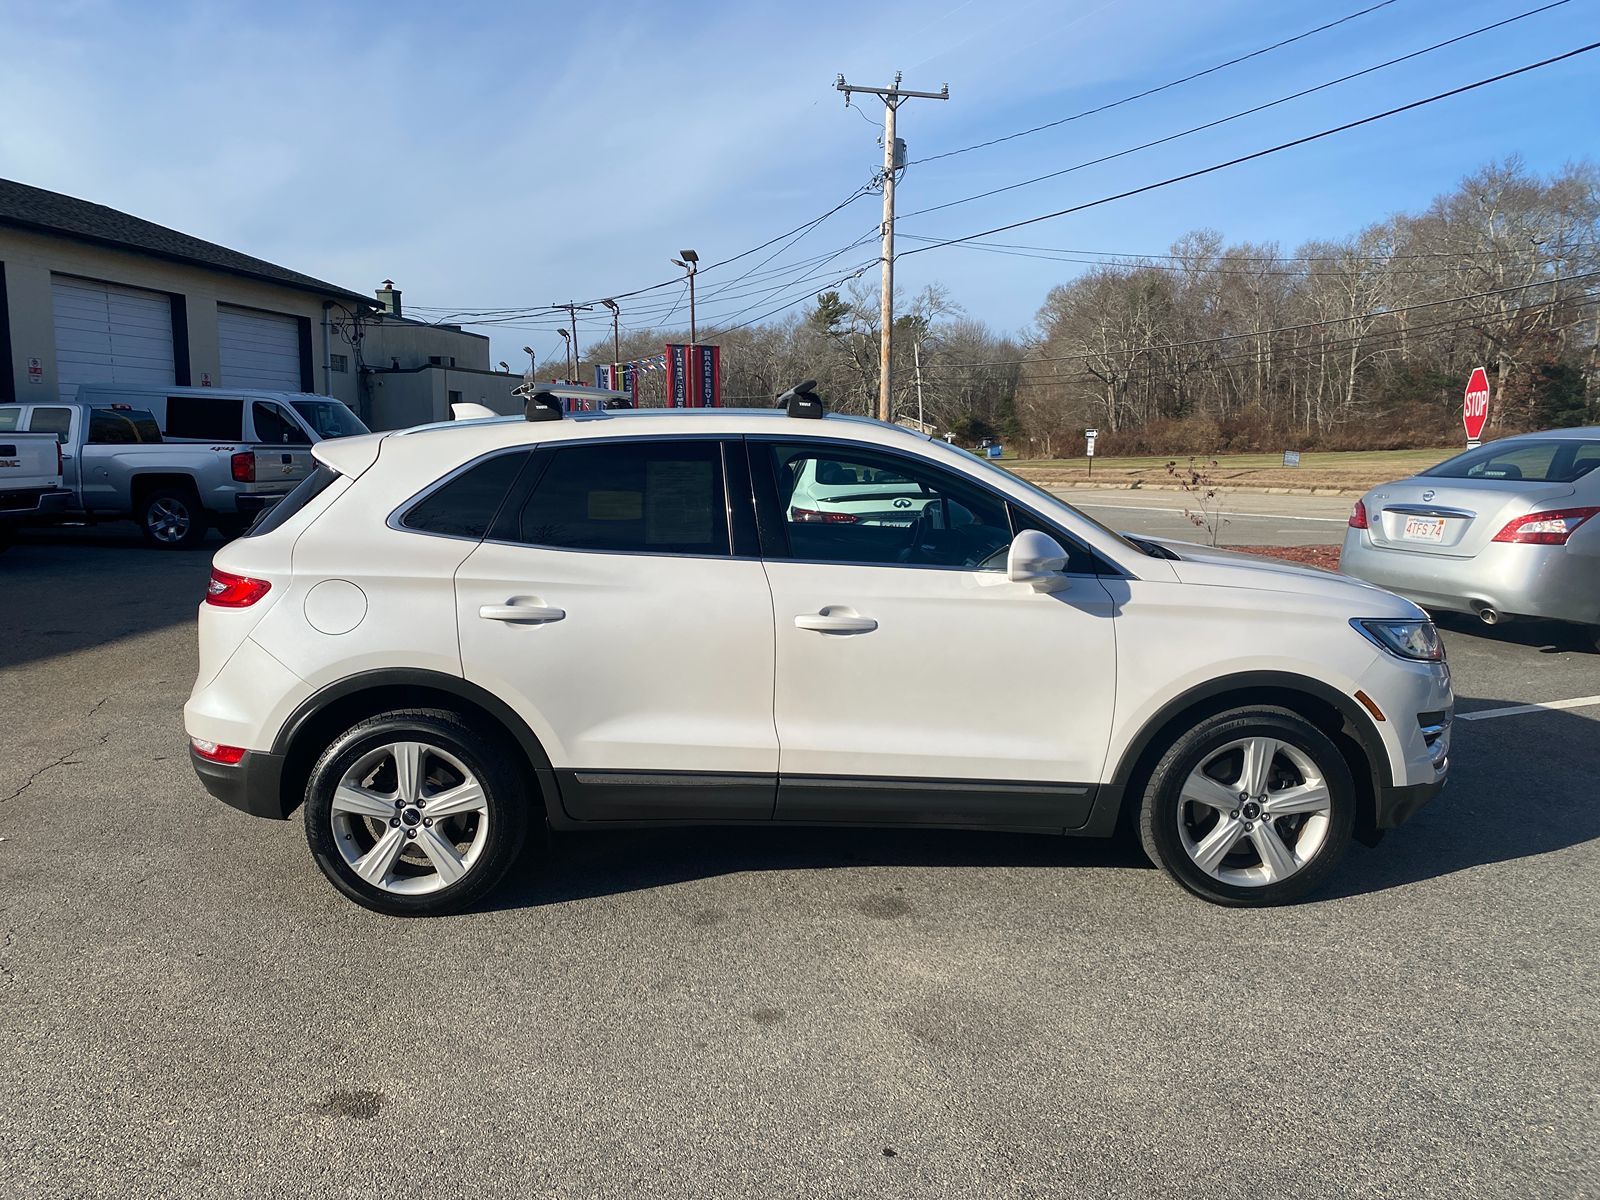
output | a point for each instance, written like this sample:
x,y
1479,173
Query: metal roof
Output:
x,y
25,207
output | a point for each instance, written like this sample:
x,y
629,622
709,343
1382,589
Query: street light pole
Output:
x,y
616,342
690,262
566,340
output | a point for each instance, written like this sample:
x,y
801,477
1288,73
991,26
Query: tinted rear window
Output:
x,y
307,490
1553,460
212,418
466,505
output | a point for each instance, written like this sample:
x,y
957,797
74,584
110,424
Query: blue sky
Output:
x,y
499,155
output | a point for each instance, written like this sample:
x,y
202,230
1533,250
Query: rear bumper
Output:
x,y
1557,582
24,506
251,785
1396,805
251,503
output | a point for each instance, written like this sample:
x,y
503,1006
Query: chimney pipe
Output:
x,y
389,298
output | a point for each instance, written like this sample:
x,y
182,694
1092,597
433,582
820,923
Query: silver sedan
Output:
x,y
1506,529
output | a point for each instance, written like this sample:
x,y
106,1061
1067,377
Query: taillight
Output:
x,y
212,752
810,516
1358,515
234,591
244,466
1551,528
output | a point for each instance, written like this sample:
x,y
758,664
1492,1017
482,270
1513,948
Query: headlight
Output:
x,y
1416,640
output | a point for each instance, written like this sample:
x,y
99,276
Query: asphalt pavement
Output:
x,y
188,1009
1238,518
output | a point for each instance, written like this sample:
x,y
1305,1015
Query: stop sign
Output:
x,y
1475,407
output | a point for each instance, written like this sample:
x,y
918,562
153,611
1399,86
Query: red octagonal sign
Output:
x,y
1475,408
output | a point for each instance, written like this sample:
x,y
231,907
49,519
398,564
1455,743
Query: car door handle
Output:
x,y
824,622
532,614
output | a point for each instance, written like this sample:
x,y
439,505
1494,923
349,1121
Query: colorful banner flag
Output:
x,y
678,392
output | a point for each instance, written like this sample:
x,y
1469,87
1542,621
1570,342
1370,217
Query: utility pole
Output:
x,y
893,97
572,310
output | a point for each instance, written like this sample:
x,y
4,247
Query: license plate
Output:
x,y
1424,529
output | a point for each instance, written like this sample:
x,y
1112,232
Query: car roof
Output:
x,y
1582,433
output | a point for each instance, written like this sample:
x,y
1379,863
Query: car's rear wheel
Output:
x,y
412,813
172,519
1253,806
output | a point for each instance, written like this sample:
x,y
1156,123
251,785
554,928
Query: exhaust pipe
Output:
x,y
1489,616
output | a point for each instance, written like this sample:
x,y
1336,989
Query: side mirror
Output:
x,y
1038,560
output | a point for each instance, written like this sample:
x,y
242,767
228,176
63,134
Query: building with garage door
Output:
x,y
90,294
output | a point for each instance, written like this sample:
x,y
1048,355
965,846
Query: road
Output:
x,y
188,1009
1248,519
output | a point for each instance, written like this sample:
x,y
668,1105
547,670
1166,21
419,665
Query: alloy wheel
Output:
x,y
168,520
1254,812
409,818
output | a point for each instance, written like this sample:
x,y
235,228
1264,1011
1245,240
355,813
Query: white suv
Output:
x,y
451,635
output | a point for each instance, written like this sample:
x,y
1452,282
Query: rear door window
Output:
x,y
633,496
122,427
51,420
274,427
208,418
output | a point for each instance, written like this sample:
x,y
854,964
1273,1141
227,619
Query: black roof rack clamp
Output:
x,y
543,406
802,401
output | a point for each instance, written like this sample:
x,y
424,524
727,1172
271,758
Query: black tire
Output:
x,y
487,758
171,518
1159,811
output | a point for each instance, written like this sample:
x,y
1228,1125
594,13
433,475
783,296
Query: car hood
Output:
x,y
1215,567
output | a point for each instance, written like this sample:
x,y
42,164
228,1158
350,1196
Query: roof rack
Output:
x,y
802,401
542,406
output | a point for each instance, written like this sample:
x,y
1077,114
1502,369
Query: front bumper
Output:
x,y
1396,805
1558,582
252,785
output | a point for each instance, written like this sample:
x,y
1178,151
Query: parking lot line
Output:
x,y
1514,709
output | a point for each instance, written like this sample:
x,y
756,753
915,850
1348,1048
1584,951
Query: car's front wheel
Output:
x,y
412,813
1253,806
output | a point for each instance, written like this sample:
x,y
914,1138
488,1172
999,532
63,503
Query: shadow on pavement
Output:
x,y
63,591
1548,637
580,866
1520,786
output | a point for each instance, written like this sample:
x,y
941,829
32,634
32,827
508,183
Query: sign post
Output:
x,y
1089,436
1475,406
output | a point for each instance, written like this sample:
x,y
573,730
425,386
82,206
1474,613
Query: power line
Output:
x,y
1137,257
1365,316
1244,158
1248,112
1089,112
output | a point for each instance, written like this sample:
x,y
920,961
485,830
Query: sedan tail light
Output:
x,y
244,466
234,591
1551,528
810,516
1358,515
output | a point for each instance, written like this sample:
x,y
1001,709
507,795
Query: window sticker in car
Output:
x,y
679,510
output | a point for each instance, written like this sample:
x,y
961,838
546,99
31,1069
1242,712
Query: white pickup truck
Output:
x,y
178,461
30,479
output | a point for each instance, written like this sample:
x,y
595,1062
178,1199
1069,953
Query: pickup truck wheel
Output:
x,y
171,519
1251,807
415,814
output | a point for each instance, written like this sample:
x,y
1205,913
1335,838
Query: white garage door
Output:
x,y
110,334
258,349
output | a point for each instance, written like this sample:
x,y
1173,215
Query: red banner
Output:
x,y
694,376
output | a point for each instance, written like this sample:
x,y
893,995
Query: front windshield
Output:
x,y
1531,460
330,418
1049,497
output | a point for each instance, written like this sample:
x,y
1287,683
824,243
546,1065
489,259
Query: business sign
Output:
x,y
1475,405
623,377
1291,458
694,376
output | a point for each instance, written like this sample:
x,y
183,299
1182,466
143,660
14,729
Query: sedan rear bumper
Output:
x,y
1557,582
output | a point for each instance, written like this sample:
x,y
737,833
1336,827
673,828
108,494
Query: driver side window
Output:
x,y
840,504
